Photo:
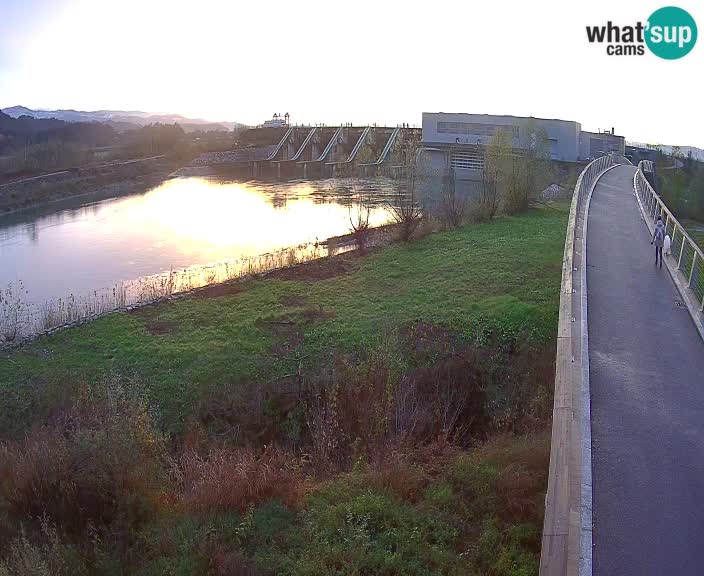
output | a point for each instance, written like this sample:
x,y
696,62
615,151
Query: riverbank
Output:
x,y
696,230
107,180
385,413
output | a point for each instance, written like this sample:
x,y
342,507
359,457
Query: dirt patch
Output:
x,y
218,290
291,301
376,236
315,270
288,337
159,327
310,313
152,323
288,328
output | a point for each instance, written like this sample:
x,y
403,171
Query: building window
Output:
x,y
475,129
467,159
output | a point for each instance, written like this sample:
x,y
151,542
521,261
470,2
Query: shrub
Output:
x,y
372,407
407,215
13,312
359,213
371,533
475,480
509,552
236,478
522,464
49,558
96,465
453,204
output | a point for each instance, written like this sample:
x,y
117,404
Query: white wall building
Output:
x,y
458,140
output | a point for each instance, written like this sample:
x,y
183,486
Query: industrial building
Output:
x,y
458,140
595,144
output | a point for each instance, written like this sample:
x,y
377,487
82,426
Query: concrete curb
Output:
x,y
567,527
682,287
587,527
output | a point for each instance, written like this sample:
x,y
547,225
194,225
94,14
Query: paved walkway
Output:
x,y
647,383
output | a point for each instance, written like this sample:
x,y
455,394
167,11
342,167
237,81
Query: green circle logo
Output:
x,y
670,33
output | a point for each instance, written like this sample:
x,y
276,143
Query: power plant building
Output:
x,y
458,140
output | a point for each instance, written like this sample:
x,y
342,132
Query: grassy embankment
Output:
x,y
696,230
378,415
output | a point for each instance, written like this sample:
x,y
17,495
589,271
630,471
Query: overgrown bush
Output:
x,y
50,557
382,462
359,214
236,478
453,205
97,465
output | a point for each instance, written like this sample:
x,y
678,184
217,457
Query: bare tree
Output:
x,y
453,206
359,213
496,162
529,168
405,207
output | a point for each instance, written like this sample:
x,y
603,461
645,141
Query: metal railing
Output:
x,y
566,527
685,251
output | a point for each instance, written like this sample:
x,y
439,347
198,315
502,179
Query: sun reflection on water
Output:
x,y
238,219
85,245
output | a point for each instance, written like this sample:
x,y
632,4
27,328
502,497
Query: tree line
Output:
x,y
33,145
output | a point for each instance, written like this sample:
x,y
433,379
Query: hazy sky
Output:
x,y
365,61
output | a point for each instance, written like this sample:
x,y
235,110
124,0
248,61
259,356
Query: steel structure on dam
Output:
x,y
320,152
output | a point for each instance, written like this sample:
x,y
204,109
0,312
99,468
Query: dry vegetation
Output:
x,y
19,319
379,415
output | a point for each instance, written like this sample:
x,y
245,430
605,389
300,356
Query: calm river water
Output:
x,y
83,245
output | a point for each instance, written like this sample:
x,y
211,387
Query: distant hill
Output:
x,y
26,131
121,119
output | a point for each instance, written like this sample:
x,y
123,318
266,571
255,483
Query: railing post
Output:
x,y
651,204
654,206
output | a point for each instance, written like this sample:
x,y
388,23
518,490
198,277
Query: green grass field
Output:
x,y
382,414
500,277
695,230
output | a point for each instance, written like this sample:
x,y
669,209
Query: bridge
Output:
x,y
626,482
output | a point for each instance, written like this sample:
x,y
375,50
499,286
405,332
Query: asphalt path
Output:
x,y
647,384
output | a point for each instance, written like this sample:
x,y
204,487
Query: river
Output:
x,y
85,245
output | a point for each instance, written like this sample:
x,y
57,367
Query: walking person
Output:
x,y
658,239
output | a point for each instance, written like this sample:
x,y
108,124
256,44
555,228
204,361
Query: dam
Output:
x,y
312,152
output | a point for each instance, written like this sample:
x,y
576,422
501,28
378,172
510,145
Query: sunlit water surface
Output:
x,y
83,245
